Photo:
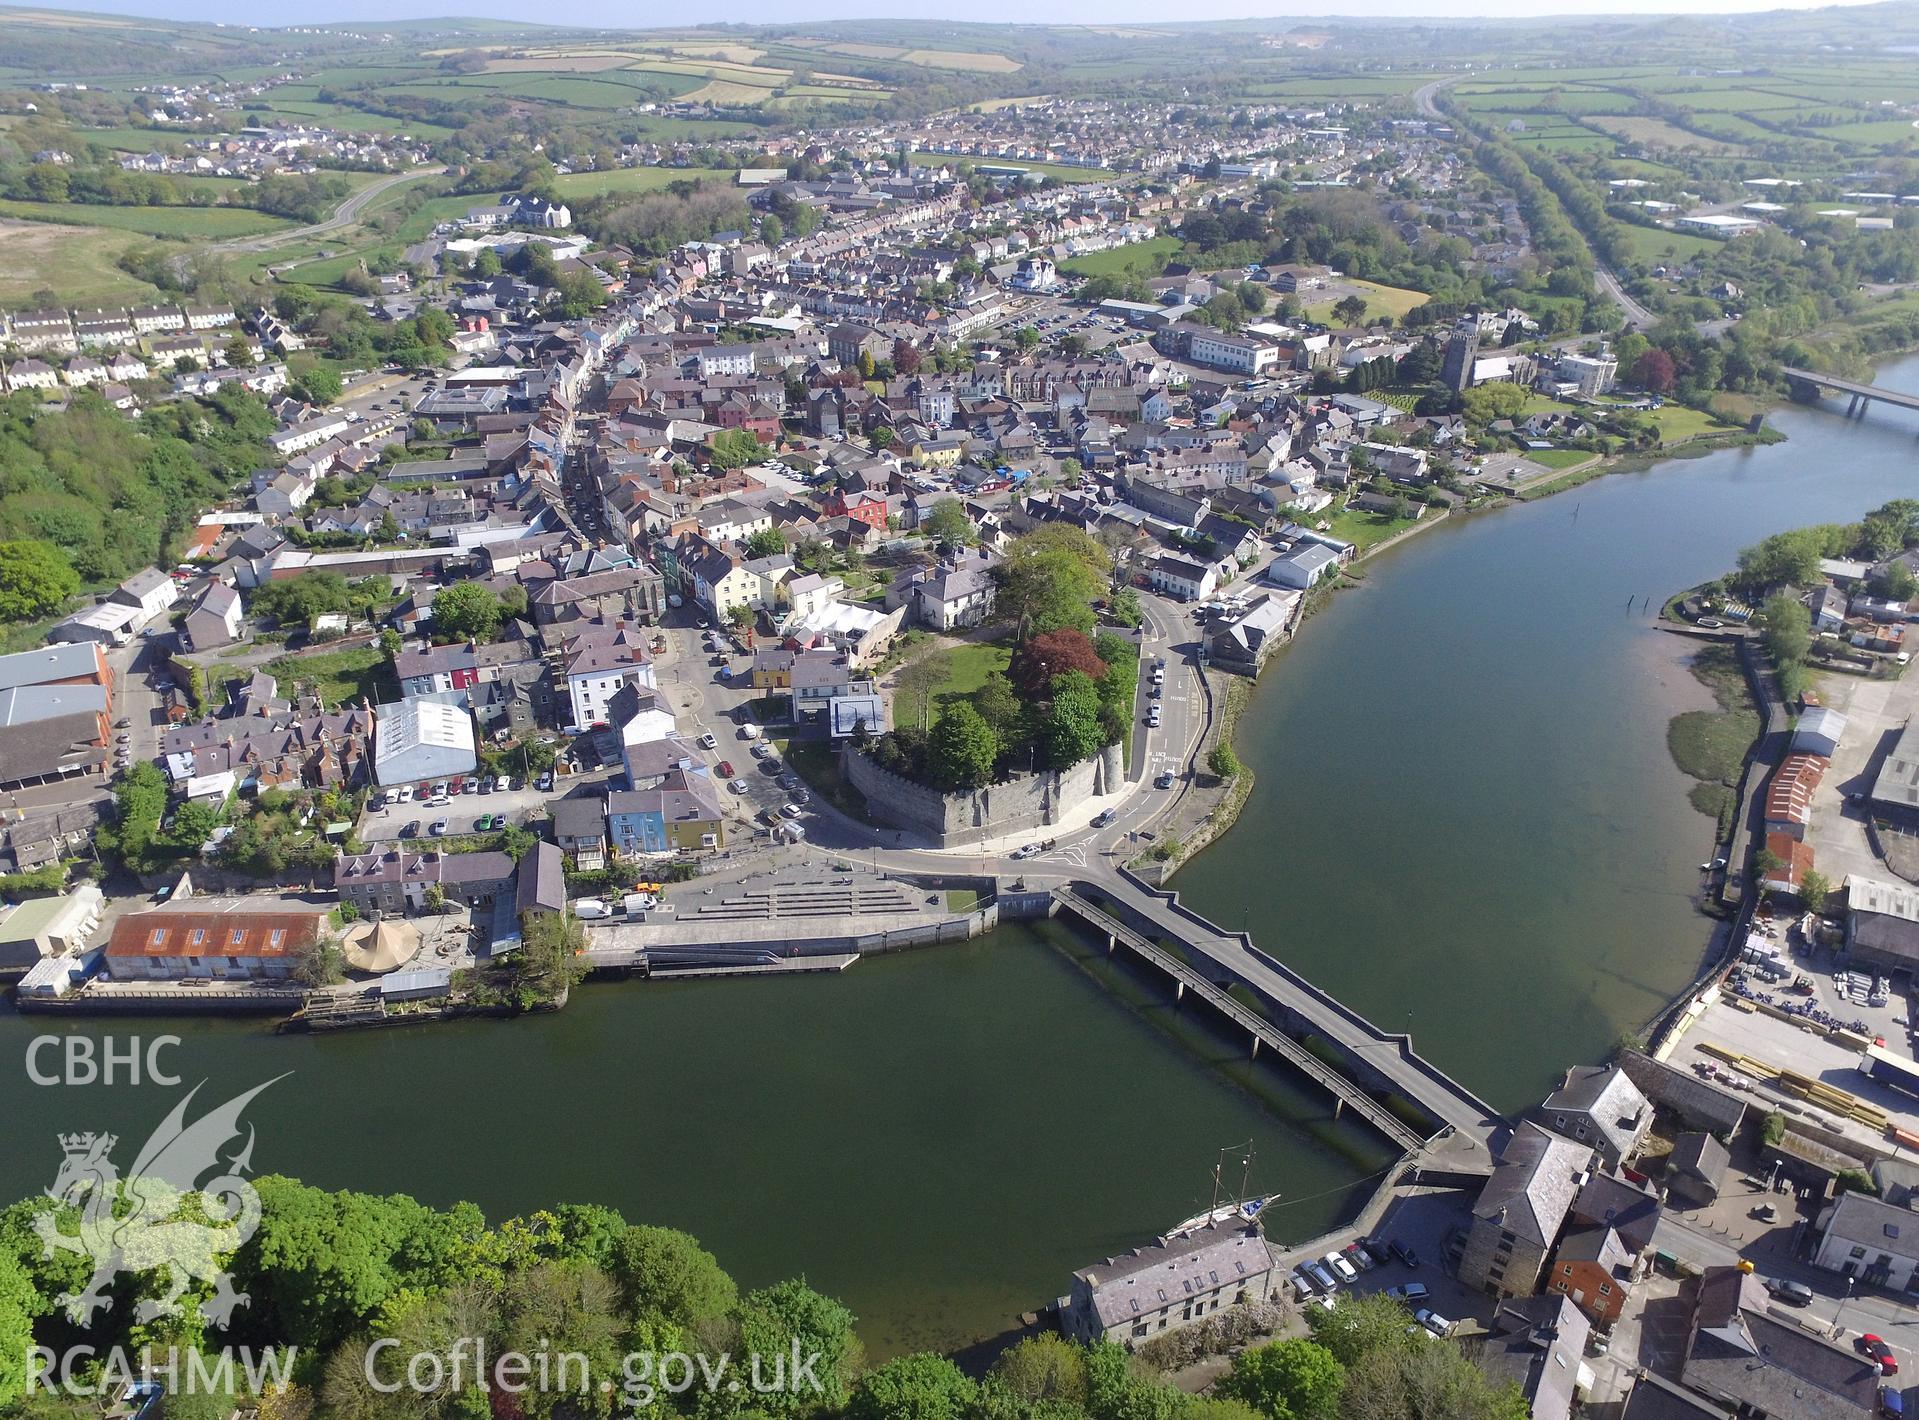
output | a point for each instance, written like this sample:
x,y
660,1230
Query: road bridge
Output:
x,y
1811,382
1370,1055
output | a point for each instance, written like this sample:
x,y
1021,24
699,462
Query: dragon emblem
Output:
x,y
129,1226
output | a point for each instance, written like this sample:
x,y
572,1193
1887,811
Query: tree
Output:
x,y
1125,607
1350,310
238,353
1358,1325
1044,1368
767,542
1814,888
1787,631
773,1319
665,1275
467,611
1039,660
1415,1380
948,524
1027,337
772,230
321,382
1294,1379
736,448
1899,583
1222,761
923,1387
35,580
962,749
740,615
18,1304
1654,371
915,682
1050,578
998,706
1073,729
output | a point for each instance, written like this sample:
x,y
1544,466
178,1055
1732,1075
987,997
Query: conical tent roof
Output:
x,y
380,946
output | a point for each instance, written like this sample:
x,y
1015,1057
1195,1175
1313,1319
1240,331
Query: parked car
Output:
x,y
1376,1248
1876,1347
1323,1276
1408,1292
483,823
1359,1257
709,741
453,786
1341,1268
1303,1281
439,827
725,766
1892,1402
1404,1252
789,810
486,785
410,829
1793,1294
1433,1322
738,786
472,784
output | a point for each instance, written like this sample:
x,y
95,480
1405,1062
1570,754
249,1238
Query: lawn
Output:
x,y
968,666
1367,530
1146,259
1380,300
186,223
355,673
1559,458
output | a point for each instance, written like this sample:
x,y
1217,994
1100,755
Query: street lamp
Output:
x,y
1838,1328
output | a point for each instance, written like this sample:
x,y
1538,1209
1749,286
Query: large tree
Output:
x,y
962,749
1293,1379
948,524
1050,578
665,1274
467,611
35,579
1073,728
1041,659
922,1387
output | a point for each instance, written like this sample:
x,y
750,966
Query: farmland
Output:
x,y
184,223
78,261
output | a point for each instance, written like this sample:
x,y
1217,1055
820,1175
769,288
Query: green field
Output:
x,y
577,185
77,262
357,673
1646,246
185,223
1380,300
1143,259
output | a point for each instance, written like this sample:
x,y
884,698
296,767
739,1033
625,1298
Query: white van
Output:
x,y
590,908
750,732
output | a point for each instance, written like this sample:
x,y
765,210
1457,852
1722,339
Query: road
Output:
x,y
1637,316
1423,96
345,215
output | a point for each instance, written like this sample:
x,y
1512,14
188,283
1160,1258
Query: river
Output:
x,y
1466,821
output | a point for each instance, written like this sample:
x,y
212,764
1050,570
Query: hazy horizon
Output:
x,y
608,14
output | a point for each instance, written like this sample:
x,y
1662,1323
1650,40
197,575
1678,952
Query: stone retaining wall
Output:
x,y
1021,804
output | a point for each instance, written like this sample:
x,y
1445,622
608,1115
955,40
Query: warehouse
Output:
x,y
417,740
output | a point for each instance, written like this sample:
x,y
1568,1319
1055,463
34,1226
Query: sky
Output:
x,y
626,13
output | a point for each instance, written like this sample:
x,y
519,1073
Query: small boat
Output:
x,y
1247,1210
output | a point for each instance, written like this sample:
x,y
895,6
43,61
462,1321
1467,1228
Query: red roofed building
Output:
x,y
861,507
1795,861
1789,796
221,938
